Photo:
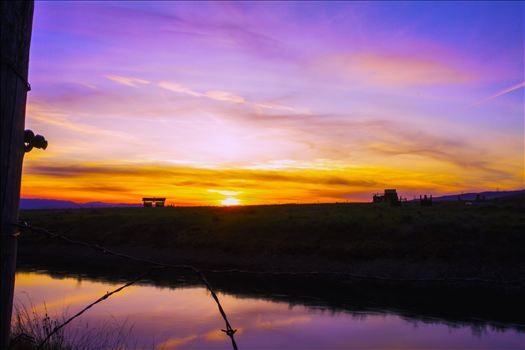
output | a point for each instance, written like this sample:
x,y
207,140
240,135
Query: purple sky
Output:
x,y
274,101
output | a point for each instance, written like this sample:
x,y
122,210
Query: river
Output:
x,y
185,317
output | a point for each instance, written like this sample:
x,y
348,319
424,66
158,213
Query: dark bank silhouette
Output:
x,y
425,201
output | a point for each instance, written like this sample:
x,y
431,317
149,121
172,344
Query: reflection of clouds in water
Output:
x,y
61,303
188,317
44,293
279,323
218,335
173,343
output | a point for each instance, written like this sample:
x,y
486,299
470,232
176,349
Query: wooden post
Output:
x,y
16,19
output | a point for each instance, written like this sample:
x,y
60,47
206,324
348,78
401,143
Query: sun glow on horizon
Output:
x,y
255,107
230,201
225,193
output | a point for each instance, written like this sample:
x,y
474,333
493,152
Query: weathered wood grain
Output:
x,y
16,18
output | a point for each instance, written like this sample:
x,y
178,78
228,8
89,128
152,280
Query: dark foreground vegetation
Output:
x,y
450,239
454,263
30,328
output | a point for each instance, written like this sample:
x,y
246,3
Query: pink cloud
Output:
x,y
388,69
129,81
502,92
225,96
179,88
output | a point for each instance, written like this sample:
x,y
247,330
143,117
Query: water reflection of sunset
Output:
x,y
188,318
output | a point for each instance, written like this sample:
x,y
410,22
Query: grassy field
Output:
x,y
488,235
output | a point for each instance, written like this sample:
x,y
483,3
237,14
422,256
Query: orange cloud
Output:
x,y
388,69
174,343
129,182
218,335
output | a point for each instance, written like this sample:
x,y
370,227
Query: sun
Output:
x,y
230,201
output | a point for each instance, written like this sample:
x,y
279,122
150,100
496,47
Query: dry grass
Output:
x,y
30,327
491,232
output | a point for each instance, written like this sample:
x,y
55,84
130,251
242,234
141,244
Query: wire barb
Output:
x,y
346,274
230,333
102,298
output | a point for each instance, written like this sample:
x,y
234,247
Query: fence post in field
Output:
x,y
16,18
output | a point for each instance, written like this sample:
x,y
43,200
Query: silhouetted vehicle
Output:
x,y
389,196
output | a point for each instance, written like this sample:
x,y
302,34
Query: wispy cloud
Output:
x,y
339,136
223,96
184,185
59,119
129,81
292,97
393,69
225,193
179,88
502,92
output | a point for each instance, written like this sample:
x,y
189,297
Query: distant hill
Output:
x,y
472,196
40,203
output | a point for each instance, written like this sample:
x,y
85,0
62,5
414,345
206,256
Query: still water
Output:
x,y
187,318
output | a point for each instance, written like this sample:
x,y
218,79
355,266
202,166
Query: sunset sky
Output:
x,y
253,103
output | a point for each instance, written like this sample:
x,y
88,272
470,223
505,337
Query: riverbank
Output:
x,y
457,306
172,305
449,241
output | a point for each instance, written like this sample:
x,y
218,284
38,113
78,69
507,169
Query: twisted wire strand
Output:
x,y
289,273
101,299
229,331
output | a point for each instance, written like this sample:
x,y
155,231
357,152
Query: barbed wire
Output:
x,y
294,273
229,331
101,299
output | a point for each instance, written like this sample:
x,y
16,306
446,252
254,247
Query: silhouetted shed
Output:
x,y
150,202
